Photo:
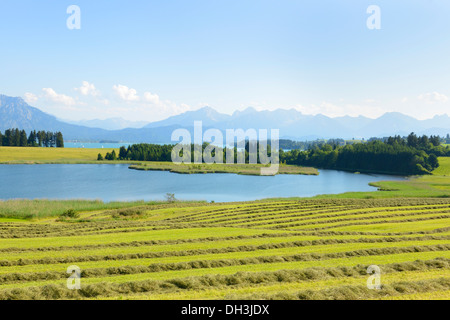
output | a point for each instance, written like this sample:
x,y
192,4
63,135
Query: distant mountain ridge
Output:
x,y
295,125
108,124
15,112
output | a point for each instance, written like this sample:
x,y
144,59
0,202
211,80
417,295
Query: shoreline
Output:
x,y
174,168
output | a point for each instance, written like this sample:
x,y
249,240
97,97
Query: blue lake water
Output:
x,y
110,182
96,145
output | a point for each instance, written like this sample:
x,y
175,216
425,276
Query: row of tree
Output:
x,y
155,152
420,142
395,155
144,152
412,140
19,138
287,144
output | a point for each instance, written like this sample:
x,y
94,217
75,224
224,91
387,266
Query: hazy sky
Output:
x,y
146,60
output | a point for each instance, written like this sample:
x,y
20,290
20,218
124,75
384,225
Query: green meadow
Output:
x,y
29,155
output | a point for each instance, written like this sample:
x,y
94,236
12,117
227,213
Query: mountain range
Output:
x,y
16,113
108,124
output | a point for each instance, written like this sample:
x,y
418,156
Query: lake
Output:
x,y
110,182
96,145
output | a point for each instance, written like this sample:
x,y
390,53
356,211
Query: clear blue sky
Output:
x,y
146,60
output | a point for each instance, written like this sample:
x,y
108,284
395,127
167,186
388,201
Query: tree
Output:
x,y
111,156
1,139
435,140
99,157
32,139
433,161
23,139
423,141
170,197
413,141
45,139
16,138
50,139
7,139
59,140
40,137
122,153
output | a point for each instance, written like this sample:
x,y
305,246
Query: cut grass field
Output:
x,y
284,249
24,155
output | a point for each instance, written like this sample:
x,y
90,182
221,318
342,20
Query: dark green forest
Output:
x,y
19,138
155,152
394,155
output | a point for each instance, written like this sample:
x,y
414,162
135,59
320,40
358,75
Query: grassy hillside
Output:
x,y
308,249
444,167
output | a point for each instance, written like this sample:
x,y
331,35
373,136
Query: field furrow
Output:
x,y
287,249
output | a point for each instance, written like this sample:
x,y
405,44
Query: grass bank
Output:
x,y
245,169
30,209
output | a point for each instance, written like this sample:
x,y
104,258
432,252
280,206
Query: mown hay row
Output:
x,y
322,212
194,252
219,263
292,225
240,279
326,218
358,292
